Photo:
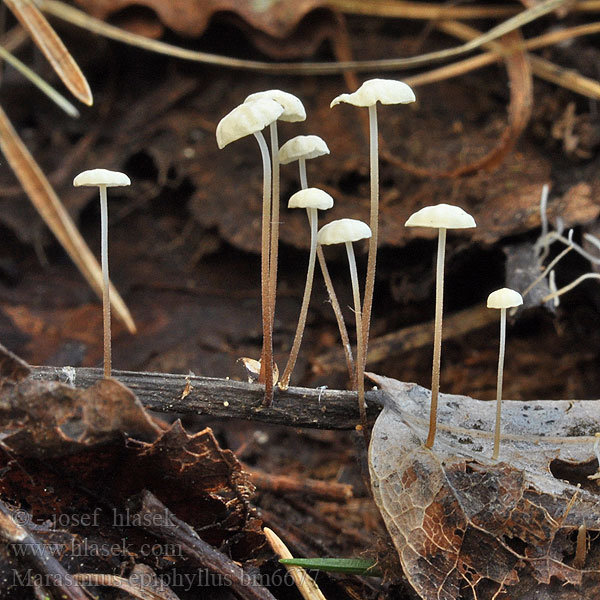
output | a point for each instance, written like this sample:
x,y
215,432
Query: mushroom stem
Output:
x,y
360,378
499,383
274,250
105,280
291,363
373,224
437,336
266,364
303,178
337,310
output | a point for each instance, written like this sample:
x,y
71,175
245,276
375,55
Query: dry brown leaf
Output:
x,y
276,18
45,419
465,526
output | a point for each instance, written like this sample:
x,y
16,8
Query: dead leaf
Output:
x,y
519,113
274,18
46,419
465,526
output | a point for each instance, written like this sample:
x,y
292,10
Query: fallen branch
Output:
x,y
171,393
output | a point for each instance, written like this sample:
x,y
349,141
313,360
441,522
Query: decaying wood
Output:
x,y
167,392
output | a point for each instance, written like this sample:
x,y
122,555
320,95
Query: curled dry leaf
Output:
x,y
465,526
275,18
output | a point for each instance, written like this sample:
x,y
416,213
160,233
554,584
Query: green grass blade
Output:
x,y
352,566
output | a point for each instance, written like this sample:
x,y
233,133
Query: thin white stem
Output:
x,y
545,272
335,305
544,221
499,383
105,280
302,167
339,317
374,225
437,336
274,249
360,369
266,362
570,286
291,363
554,235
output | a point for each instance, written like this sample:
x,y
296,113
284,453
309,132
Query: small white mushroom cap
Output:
x,y
293,109
386,91
246,119
343,230
302,146
97,177
441,215
311,198
504,298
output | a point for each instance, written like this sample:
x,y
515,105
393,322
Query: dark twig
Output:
x,y
170,393
161,522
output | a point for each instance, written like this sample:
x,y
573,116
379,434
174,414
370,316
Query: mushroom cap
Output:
x,y
311,198
504,298
386,91
96,177
293,109
302,146
343,230
441,215
246,119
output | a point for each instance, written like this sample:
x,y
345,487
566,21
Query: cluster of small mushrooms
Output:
x,y
250,118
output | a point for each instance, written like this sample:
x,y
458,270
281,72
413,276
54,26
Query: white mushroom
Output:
x,y
442,217
501,299
303,148
386,91
246,119
293,111
103,178
313,200
346,231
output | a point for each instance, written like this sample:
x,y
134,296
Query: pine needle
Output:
x,y
47,40
40,83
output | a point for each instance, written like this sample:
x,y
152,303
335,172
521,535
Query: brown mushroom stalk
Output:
x,y
251,118
386,91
